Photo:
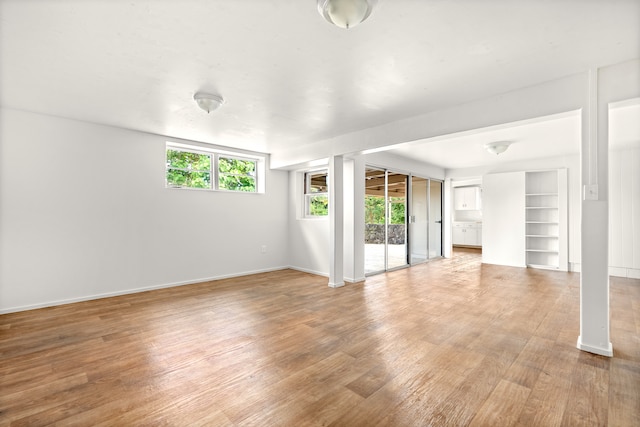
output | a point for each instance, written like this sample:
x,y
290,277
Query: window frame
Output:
x,y
307,194
214,157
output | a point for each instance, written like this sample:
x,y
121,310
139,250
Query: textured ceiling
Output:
x,y
289,78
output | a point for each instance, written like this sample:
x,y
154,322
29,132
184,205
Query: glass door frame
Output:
x,y
429,257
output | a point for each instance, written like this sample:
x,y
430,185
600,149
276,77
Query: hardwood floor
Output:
x,y
451,342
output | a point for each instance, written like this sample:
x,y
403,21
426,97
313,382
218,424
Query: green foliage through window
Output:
x,y
316,193
318,205
374,210
186,169
236,174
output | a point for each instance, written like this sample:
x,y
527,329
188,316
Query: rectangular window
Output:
x,y
192,167
237,174
188,169
316,194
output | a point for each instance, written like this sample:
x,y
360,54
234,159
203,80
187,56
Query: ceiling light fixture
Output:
x,y
208,102
346,13
497,147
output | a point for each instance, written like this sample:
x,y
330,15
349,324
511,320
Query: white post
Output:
x,y
336,221
594,242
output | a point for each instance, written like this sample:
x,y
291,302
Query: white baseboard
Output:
x,y
319,273
631,273
306,270
132,291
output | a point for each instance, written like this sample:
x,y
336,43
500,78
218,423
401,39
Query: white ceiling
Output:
x,y
539,138
289,78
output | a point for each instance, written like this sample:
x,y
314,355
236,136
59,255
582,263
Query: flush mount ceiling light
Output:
x,y
346,13
497,147
208,102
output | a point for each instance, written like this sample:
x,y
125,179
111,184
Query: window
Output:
x,y
236,174
188,169
316,194
191,167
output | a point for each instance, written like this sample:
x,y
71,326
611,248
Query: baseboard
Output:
x,y
319,273
595,349
630,273
133,291
306,270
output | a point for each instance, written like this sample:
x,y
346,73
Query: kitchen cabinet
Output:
x,y
467,234
467,198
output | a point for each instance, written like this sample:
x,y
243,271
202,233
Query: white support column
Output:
x,y
336,221
594,277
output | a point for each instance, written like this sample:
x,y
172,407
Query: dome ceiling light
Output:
x,y
346,13
497,147
208,102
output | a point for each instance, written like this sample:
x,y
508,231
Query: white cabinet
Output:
x,y
467,234
467,198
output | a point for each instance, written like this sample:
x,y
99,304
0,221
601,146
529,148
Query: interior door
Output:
x,y
419,220
435,219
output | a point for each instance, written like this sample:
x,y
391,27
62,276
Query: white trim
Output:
x,y
596,350
630,273
135,290
306,270
336,285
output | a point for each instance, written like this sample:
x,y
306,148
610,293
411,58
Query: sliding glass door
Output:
x,y
403,220
419,219
397,235
435,218
375,214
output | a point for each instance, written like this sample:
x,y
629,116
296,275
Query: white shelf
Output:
x,y
543,219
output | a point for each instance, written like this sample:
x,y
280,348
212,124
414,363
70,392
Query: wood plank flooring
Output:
x,y
448,343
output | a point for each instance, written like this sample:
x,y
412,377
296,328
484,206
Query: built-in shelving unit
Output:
x,y
546,219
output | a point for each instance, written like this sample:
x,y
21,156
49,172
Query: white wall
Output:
x,y
84,213
308,237
402,164
624,213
